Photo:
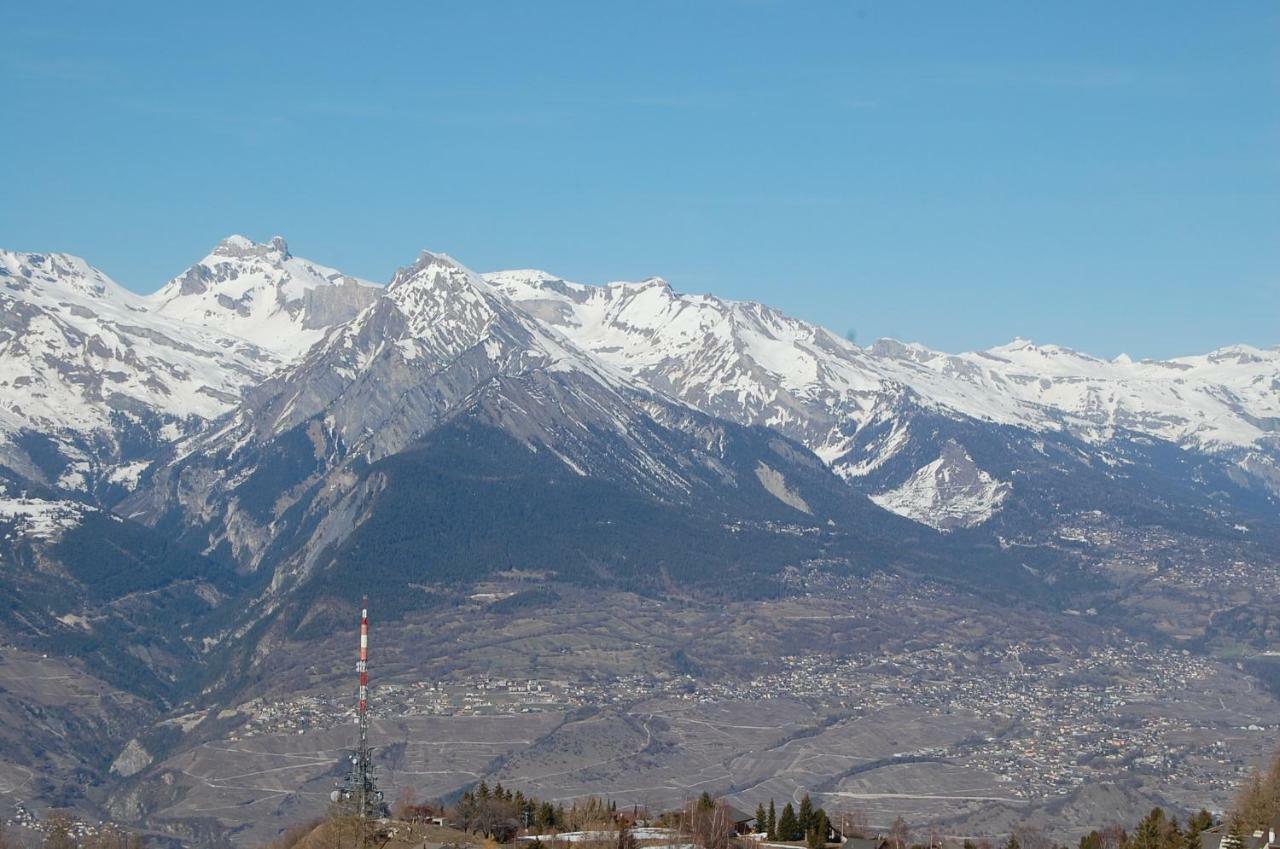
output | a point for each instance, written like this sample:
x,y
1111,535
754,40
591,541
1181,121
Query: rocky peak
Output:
x,y
235,246
263,293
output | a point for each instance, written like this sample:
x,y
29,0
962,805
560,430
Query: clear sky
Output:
x,y
1100,175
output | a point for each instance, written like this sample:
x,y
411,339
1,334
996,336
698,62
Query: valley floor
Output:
x,y
873,695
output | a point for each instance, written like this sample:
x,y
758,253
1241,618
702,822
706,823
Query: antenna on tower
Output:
x,y
359,793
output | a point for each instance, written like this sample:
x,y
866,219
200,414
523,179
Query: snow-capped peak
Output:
x,y
739,360
447,306
80,355
434,269
441,300
752,364
264,294
63,273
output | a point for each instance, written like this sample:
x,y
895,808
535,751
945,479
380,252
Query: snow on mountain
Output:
x,y
29,517
437,320
855,407
439,345
87,367
1225,399
310,453
750,363
263,294
949,493
738,360
104,375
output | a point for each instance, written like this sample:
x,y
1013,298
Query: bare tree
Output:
x,y
1113,837
343,828
291,836
899,834
405,802
1031,836
854,823
710,827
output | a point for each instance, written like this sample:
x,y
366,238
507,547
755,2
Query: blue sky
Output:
x,y
1099,175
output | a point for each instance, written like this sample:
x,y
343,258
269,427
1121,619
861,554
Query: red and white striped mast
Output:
x,y
360,792
364,778
362,666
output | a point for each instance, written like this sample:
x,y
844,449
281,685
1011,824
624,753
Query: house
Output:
x,y
1273,833
743,822
865,843
1217,837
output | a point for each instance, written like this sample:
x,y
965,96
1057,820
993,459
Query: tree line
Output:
x,y
810,824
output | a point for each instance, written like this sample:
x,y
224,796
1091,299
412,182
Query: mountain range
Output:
x,y
97,379
191,476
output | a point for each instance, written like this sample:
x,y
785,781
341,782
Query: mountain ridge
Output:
x,y
738,360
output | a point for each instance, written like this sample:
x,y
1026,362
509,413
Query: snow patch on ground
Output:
x,y
35,518
949,493
128,474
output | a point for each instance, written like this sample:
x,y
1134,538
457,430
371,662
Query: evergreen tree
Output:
x,y
804,819
762,818
1191,839
482,791
788,825
1200,821
1013,842
705,802
772,830
820,825
1150,832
